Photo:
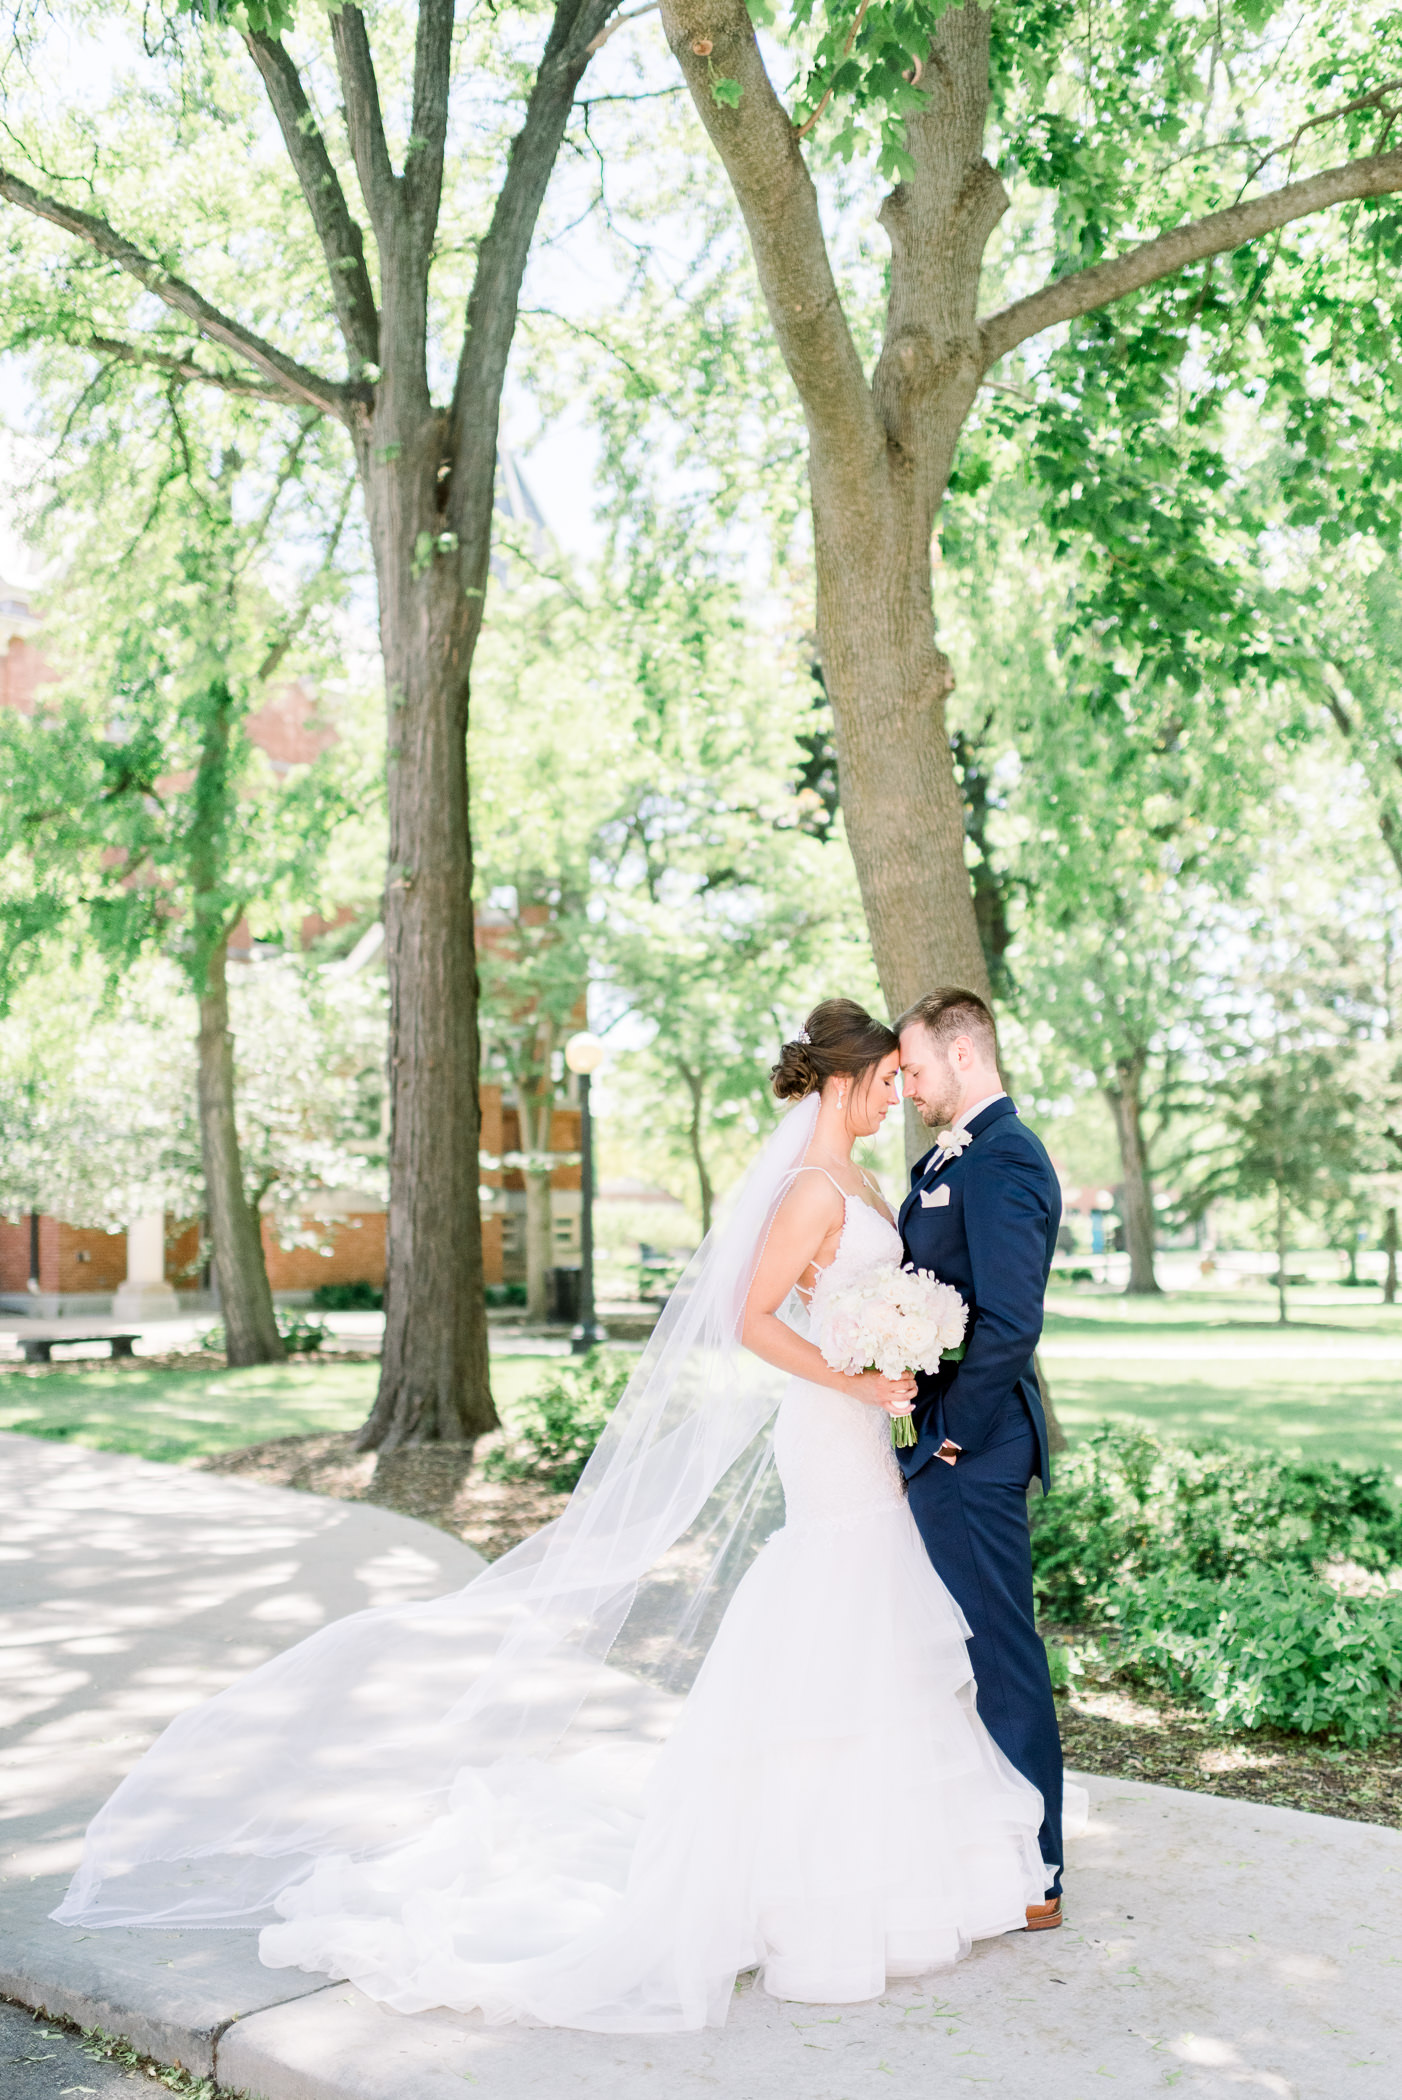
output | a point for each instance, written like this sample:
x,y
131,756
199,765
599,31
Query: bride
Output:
x,y
456,1804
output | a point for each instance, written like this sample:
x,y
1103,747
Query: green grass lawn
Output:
x,y
1192,1364
175,1415
1215,1363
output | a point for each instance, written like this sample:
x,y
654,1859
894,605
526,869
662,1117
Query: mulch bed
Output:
x,y
491,1516
173,1360
1124,1732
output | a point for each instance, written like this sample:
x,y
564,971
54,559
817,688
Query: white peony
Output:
x,y
891,1320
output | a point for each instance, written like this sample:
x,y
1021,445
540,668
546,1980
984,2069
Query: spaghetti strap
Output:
x,y
845,1194
880,1206
819,1270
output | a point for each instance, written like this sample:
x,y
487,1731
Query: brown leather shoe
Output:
x,y
1044,1917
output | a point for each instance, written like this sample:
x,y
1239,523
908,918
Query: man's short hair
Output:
x,y
949,1011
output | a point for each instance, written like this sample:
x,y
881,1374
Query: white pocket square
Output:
x,y
935,1199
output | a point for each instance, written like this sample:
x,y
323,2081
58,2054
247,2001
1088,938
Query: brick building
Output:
x,y
22,669
48,1266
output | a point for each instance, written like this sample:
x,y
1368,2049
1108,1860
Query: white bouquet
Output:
x,y
893,1320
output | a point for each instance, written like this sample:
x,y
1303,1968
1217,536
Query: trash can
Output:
x,y
564,1295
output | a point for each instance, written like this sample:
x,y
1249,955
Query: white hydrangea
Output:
x,y
890,1319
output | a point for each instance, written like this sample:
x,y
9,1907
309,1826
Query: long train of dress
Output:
x,y
828,1809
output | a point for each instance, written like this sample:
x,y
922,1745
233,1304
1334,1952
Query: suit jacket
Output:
x,y
992,1236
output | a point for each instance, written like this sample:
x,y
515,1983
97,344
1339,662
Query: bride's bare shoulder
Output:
x,y
812,1197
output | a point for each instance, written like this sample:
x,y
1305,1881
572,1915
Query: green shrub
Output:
x,y
302,1335
505,1294
1269,1648
553,1430
348,1297
1128,1506
1204,1564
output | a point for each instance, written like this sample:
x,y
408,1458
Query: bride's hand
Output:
x,y
895,1395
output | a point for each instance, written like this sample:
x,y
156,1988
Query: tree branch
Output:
x,y
1083,291
597,43
364,121
177,367
471,439
423,163
761,155
1388,824
291,460
342,242
297,380
281,642
1376,98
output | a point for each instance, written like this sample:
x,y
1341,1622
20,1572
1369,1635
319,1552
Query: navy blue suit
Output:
x,y
987,1223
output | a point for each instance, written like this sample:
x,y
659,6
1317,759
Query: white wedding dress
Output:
x,y
828,1808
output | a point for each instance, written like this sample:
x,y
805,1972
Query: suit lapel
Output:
x,y
922,1175
928,1170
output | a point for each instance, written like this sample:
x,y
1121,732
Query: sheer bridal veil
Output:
x,y
349,1743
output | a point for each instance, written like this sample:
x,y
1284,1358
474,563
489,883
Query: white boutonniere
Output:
x,y
952,1142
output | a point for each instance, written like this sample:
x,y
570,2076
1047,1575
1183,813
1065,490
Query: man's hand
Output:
x,y
949,1451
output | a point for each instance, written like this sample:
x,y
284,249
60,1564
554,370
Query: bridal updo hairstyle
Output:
x,y
838,1037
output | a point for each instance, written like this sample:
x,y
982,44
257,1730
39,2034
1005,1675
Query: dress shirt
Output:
x,y
963,1122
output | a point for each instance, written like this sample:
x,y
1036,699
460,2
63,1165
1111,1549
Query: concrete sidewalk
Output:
x,y
1214,1949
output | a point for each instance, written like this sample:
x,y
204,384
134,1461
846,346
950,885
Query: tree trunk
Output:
x,y
990,899
235,1229
1124,1095
1056,1435
429,479
1390,1245
1281,1215
879,462
434,1378
540,1246
696,1087
535,1113
874,516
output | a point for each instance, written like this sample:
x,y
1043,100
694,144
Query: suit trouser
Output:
x,y
973,1519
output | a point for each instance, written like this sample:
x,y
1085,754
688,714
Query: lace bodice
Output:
x,y
834,1452
866,1238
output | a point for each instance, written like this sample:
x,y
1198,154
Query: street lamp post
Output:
x,y
583,1054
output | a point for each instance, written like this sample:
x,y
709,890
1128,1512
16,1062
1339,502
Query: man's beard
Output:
x,y
934,1118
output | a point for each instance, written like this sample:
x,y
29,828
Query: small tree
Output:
x,y
311,1084
98,1120
534,969
1288,1135
138,792
549,748
99,1116
721,977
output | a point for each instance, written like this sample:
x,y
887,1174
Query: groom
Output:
x,y
983,1213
